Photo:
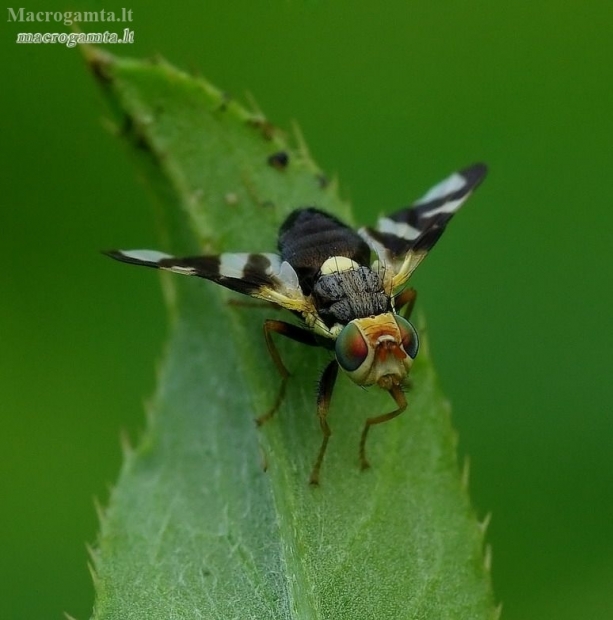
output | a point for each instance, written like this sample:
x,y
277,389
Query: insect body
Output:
x,y
323,274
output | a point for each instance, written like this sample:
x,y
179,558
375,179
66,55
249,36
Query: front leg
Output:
x,y
324,395
289,331
401,401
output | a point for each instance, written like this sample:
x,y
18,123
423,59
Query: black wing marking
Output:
x,y
403,239
264,276
309,237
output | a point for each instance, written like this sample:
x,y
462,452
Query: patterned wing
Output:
x,y
264,276
403,239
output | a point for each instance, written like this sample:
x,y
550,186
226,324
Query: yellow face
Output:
x,y
377,350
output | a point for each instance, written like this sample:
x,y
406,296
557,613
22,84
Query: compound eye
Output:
x,y
351,348
410,339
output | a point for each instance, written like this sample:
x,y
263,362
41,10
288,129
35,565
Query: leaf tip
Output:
x,y
94,575
92,569
483,525
99,510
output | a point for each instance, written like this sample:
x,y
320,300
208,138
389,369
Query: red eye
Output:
x,y
351,348
410,340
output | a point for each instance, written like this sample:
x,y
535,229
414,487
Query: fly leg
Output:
x,y
401,401
294,333
405,301
324,395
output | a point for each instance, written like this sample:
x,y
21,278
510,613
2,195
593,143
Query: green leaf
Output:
x,y
213,517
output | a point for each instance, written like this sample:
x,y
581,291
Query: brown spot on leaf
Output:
x,y
278,160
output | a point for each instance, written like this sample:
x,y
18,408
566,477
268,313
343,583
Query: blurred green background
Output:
x,y
391,98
